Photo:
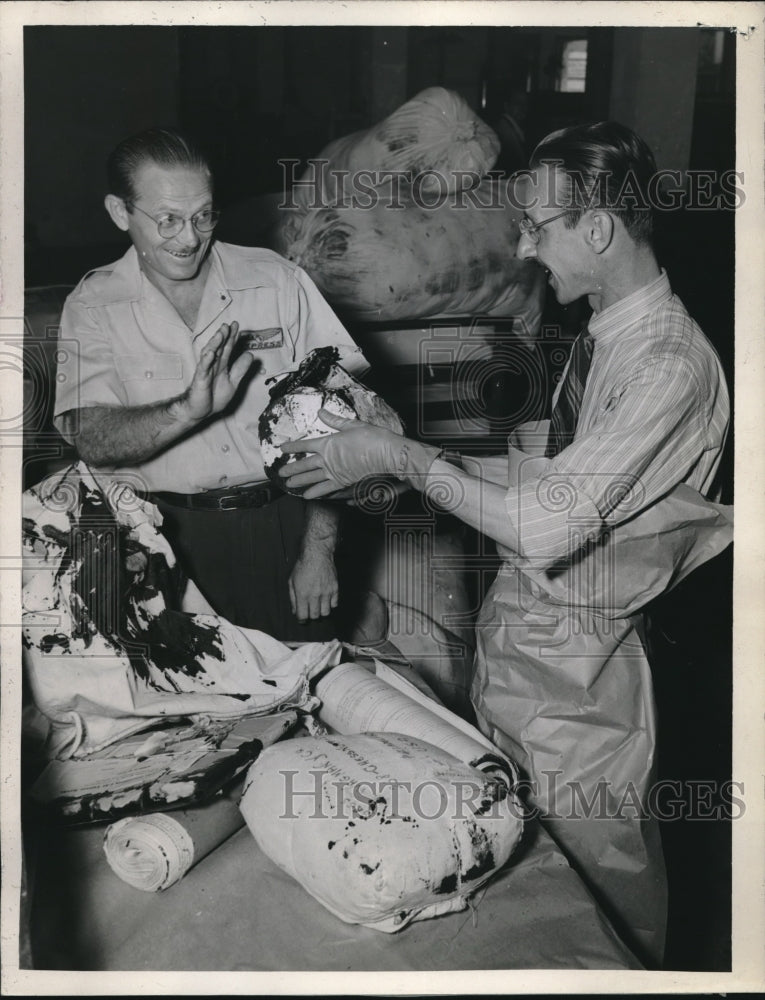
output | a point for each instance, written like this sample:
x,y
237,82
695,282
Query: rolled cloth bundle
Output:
x,y
155,851
406,260
354,701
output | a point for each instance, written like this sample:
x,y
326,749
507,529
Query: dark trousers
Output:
x,y
241,561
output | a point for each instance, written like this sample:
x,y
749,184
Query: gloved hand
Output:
x,y
356,451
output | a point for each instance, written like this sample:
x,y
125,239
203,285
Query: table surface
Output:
x,y
236,911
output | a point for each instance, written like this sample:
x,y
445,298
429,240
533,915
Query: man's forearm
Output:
x,y
107,436
477,502
536,529
322,523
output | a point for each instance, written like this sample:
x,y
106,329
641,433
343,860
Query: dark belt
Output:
x,y
231,498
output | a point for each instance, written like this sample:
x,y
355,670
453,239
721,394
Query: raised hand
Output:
x,y
214,383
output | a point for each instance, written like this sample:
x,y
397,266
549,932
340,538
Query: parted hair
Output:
x,y
163,146
607,166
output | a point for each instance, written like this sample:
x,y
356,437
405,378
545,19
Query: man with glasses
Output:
x,y
594,512
175,344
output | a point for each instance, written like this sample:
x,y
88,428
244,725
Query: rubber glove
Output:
x,y
356,451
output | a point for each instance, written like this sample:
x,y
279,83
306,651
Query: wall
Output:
x,y
654,88
85,89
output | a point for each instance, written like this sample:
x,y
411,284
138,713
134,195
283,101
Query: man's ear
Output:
x,y
600,230
117,210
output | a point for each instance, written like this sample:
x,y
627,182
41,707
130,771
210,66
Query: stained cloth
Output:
x,y
108,650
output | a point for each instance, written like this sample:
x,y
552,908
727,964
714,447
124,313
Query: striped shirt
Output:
x,y
654,414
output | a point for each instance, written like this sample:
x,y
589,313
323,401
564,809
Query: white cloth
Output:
x,y
105,652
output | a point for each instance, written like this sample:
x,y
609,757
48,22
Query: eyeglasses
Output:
x,y
531,229
170,225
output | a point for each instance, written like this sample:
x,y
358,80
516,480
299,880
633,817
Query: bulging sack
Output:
x,y
382,829
435,135
454,256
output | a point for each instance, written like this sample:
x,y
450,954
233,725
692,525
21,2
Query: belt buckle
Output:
x,y
232,505
257,496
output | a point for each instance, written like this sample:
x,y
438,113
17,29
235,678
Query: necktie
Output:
x,y
565,413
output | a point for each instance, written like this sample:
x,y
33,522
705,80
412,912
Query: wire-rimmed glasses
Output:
x,y
170,225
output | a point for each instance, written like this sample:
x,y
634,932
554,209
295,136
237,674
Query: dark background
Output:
x,y
254,95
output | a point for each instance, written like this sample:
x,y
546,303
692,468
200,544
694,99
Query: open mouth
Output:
x,y
182,254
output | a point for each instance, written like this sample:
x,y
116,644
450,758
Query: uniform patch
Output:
x,y
258,340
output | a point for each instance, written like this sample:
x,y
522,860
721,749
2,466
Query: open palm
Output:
x,y
214,383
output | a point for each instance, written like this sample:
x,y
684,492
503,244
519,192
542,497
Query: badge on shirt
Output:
x,y
259,340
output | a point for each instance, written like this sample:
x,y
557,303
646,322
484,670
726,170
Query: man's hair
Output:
x,y
163,146
607,166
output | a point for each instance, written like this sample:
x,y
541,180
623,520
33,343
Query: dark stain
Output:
x,y
475,274
331,844
334,242
496,791
367,869
49,642
482,853
443,284
493,263
312,372
397,141
114,577
60,538
447,884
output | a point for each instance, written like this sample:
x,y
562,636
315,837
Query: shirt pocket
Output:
x,y
149,368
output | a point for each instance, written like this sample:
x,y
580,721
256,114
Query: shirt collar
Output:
x,y
123,285
125,277
236,268
631,309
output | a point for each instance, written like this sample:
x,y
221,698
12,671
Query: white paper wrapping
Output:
x,y
149,852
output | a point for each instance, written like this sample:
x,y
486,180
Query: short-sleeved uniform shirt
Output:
x,y
124,344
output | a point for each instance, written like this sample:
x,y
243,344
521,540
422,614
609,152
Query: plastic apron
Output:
x,y
562,684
